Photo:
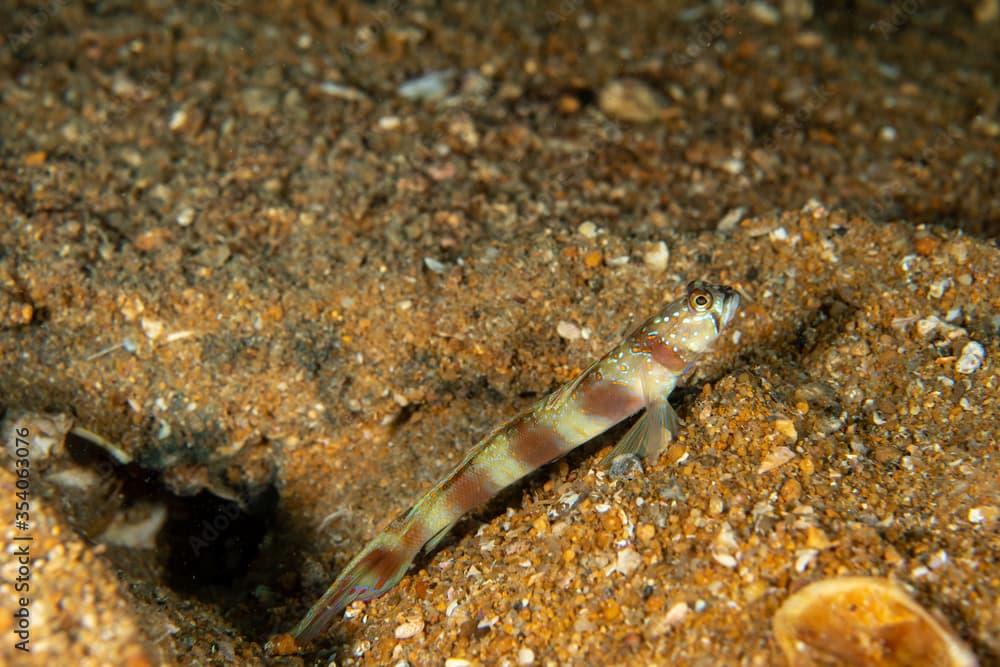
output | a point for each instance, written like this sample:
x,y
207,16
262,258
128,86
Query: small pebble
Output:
x,y
725,560
971,358
777,457
629,561
984,514
729,221
938,560
655,256
645,532
341,92
763,13
733,166
587,229
630,100
786,427
804,559
525,656
938,287
779,234
185,217
409,629
152,328
434,265
927,326
389,123
429,87
568,330
177,120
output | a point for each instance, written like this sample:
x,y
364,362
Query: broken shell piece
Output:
x,y
864,621
42,435
776,458
137,527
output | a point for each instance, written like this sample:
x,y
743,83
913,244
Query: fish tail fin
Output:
x,y
379,567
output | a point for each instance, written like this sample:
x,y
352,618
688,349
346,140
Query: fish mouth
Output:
x,y
730,304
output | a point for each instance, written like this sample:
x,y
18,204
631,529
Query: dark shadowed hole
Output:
x,y
206,541
212,541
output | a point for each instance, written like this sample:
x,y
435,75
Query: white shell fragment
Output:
x,y
429,87
630,100
568,330
409,629
656,256
629,561
776,458
434,265
863,621
43,434
971,358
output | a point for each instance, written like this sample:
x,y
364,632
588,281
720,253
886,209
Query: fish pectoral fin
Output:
x,y
649,435
664,426
671,421
633,443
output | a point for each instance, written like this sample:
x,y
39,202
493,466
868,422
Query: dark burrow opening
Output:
x,y
202,542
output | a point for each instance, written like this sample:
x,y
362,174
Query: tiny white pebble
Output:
x,y
457,662
656,256
177,119
629,561
434,265
984,513
938,287
185,217
568,330
764,13
971,358
729,221
776,458
733,166
725,560
927,326
779,234
389,123
361,648
887,134
152,328
409,629
938,559
525,656
805,559
587,229
677,613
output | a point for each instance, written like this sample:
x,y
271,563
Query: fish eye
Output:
x,y
700,299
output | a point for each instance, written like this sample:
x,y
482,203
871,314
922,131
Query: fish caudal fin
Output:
x,y
378,567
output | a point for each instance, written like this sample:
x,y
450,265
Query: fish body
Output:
x,y
639,373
